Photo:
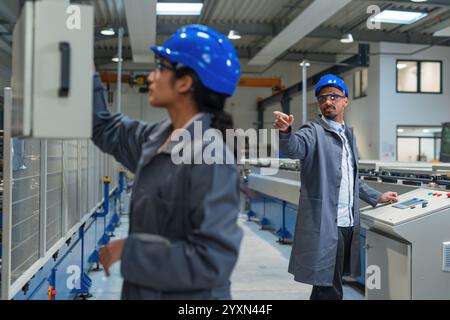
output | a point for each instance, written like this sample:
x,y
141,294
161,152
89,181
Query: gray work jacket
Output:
x,y
184,239
313,255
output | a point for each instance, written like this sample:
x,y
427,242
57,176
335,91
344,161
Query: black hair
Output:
x,y
208,100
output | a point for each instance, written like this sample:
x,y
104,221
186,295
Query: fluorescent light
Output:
x,y
400,130
108,32
347,38
116,59
178,9
401,66
419,0
234,35
426,131
442,33
399,17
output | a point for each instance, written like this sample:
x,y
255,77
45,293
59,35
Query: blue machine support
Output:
x,y
250,214
82,290
283,234
47,276
104,240
95,256
52,279
115,220
52,285
265,223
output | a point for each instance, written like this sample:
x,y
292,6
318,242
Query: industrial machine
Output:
x,y
408,242
276,204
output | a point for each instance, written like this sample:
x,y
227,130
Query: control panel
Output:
x,y
412,205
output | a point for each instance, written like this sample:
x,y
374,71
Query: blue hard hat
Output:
x,y
206,51
331,80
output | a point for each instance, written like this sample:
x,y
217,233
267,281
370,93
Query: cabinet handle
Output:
x,y
64,88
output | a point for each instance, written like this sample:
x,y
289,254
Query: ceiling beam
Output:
x,y
208,8
5,47
104,11
104,56
261,29
7,12
321,32
425,22
166,29
439,26
141,21
99,13
443,3
309,19
376,36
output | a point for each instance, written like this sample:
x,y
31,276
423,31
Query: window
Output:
x,y
419,76
361,83
418,143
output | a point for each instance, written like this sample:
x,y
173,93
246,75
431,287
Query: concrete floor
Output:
x,y
104,288
260,273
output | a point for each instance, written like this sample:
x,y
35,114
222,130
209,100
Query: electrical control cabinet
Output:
x,y
52,70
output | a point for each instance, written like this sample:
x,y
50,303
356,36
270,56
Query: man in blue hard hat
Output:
x,y
327,235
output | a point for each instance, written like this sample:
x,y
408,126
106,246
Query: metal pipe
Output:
x,y
119,71
305,91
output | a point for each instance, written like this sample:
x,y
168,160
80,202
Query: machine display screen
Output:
x,y
409,203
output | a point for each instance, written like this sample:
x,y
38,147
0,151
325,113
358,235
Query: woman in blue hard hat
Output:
x,y
184,239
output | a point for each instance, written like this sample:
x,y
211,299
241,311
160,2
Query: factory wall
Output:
x,y
409,108
363,114
375,117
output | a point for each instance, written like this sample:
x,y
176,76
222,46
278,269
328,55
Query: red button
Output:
x,y
440,194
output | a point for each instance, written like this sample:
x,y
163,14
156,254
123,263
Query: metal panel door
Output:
x,y
55,85
390,260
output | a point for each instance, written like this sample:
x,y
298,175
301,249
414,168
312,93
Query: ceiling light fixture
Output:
x,y
347,38
302,64
234,35
178,9
399,17
108,32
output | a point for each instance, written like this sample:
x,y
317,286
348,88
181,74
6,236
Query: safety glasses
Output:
x,y
160,66
333,97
